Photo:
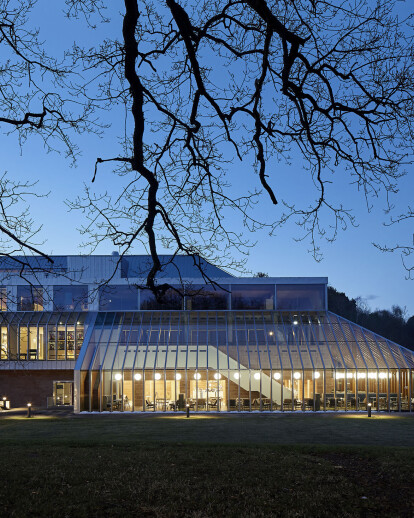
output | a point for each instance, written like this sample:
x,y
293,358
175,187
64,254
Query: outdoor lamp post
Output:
x,y
369,409
29,410
188,410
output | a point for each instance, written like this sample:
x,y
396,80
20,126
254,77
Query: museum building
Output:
x,y
69,336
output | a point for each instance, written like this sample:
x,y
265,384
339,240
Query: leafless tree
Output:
x,y
406,250
35,99
206,85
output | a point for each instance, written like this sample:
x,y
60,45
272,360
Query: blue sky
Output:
x,y
351,263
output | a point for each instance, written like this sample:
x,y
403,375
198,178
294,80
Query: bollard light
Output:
x,y
29,410
188,410
369,409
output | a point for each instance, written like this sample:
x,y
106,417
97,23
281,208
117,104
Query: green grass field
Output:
x,y
207,466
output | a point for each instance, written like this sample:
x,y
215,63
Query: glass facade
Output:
x,y
70,298
41,335
240,361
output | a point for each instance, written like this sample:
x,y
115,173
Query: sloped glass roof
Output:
x,y
267,340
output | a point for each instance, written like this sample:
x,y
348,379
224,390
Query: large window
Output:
x,y
299,297
248,296
118,298
207,297
172,300
29,298
67,298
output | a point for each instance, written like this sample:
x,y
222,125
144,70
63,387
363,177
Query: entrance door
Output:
x,y
63,393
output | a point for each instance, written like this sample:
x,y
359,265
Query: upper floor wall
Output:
x,y
81,283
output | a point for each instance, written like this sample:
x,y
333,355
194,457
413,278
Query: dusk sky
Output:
x,y
351,263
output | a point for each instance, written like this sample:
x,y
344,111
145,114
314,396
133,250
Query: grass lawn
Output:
x,y
207,466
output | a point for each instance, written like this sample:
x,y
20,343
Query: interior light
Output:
x,y
349,375
236,375
296,375
270,333
276,375
29,404
157,376
217,376
372,375
316,375
257,375
295,322
118,376
340,375
137,376
382,375
197,376
178,376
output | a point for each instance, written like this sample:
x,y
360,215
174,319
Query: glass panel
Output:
x,y
201,296
23,343
172,300
84,391
119,298
70,339
96,391
310,297
3,298
69,298
234,391
247,296
32,353
307,403
3,344
330,401
138,384
42,343
288,400
29,298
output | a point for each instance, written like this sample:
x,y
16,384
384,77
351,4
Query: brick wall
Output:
x,y
21,387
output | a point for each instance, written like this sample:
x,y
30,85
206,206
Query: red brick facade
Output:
x,y
22,387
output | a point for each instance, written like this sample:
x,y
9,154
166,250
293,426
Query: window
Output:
x,y
70,298
29,298
298,297
3,298
118,298
206,297
249,296
172,300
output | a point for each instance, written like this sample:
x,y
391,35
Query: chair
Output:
x,y
201,403
232,403
308,404
266,403
149,404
